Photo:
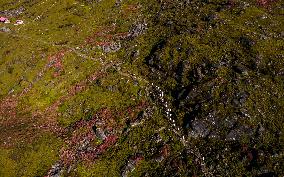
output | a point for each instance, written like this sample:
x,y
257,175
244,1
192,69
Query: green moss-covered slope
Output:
x,y
142,88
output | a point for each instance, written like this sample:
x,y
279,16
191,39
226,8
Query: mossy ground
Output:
x,y
220,59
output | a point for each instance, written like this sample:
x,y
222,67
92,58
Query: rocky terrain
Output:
x,y
141,88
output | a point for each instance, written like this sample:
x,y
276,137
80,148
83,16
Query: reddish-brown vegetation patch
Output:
x,y
133,111
55,61
130,9
81,146
103,127
8,107
165,150
15,124
265,3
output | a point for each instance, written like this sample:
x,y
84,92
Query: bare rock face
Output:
x,y
131,164
13,12
56,170
137,29
237,133
199,129
113,47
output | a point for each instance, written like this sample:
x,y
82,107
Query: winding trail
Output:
x,y
166,106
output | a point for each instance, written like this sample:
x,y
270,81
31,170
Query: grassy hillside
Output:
x,y
142,88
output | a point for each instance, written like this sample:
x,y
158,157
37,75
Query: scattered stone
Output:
x,y
84,145
139,120
237,133
199,129
114,47
111,88
156,138
240,98
214,135
135,83
5,29
118,3
13,13
137,30
56,170
99,133
229,122
162,154
132,163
